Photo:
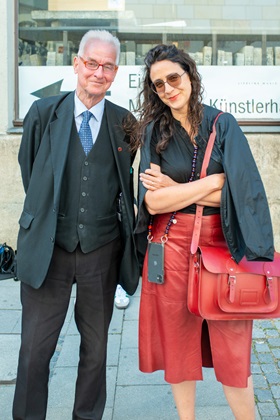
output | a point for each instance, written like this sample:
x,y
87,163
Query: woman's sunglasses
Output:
x,y
173,79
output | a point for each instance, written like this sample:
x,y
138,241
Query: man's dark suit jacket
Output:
x,y
42,157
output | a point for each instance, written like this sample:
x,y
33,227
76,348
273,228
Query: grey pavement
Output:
x,y
132,395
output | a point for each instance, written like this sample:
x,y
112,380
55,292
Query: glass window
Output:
x,y
221,35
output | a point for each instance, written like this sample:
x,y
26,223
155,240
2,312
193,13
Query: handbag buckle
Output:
x,y
196,262
231,283
269,283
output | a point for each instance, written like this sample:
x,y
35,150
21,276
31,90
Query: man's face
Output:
x,y
92,85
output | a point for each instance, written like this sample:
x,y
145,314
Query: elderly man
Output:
x,y
76,171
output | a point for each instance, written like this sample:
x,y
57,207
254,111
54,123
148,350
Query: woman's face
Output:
x,y
177,98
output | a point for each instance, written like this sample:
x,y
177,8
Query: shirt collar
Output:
x,y
97,110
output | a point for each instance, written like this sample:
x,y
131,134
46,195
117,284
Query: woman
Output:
x,y
176,126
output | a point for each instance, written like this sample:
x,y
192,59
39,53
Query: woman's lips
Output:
x,y
173,98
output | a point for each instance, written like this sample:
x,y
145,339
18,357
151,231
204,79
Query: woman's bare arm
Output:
x,y
211,200
166,195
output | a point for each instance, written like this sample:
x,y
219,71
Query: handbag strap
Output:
x,y
199,209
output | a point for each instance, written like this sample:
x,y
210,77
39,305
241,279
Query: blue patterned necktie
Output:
x,y
85,132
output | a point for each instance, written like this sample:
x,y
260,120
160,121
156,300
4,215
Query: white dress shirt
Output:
x,y
95,121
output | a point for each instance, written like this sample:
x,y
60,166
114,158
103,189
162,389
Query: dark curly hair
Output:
x,y
151,108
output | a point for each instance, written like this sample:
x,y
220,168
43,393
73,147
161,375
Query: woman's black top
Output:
x,y
176,161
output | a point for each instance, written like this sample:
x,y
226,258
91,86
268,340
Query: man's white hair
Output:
x,y
100,35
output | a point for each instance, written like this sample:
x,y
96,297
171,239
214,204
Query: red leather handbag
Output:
x,y
221,289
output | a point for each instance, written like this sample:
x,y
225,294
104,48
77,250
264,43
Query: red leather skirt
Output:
x,y
170,337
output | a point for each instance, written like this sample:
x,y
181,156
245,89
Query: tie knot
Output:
x,y
87,116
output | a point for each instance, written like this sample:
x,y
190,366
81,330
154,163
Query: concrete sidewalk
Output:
x,y
132,395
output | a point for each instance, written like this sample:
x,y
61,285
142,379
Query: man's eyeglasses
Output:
x,y
93,65
173,79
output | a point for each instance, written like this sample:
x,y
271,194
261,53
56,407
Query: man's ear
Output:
x,y
75,64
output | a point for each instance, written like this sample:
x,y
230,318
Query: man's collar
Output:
x,y
97,110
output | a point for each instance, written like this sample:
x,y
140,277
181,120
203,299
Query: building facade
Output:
x,y
235,43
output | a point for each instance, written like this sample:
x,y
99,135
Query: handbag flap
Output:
x,y
219,260
215,258
268,268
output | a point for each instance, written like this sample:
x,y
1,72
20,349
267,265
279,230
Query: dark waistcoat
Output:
x,y
87,211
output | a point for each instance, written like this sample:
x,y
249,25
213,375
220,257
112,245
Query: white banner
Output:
x,y
248,92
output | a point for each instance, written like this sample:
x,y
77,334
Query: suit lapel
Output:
x,y
122,156
60,135
117,136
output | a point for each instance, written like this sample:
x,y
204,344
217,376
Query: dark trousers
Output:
x,y
43,315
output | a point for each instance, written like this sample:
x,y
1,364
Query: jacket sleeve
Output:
x,y
29,143
145,160
244,208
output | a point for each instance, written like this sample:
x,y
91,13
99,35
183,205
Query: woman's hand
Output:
x,y
153,180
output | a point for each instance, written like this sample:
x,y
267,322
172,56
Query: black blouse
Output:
x,y
176,161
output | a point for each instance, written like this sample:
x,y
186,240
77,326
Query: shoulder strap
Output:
x,y
199,209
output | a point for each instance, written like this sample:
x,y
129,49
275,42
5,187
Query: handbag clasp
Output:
x,y
269,283
232,283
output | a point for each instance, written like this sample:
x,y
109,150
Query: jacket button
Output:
x,y
52,239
